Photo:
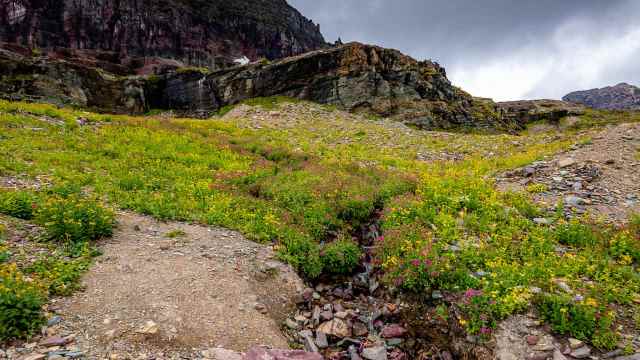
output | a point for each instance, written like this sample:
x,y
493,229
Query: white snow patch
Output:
x,y
242,61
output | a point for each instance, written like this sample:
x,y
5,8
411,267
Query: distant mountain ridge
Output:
x,y
204,33
620,97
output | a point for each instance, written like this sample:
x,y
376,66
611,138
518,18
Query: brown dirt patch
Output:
x,y
200,288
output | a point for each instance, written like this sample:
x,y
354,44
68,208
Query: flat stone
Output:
x,y
564,163
308,341
393,331
360,329
581,353
335,327
544,347
262,353
613,353
353,353
221,354
532,339
394,342
54,321
74,354
315,316
53,341
575,343
34,357
291,324
149,328
630,357
326,315
542,221
375,353
321,340
574,200
557,355
341,315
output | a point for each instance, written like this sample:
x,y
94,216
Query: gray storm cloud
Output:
x,y
504,49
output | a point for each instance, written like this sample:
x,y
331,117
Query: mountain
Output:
x,y
146,35
620,97
198,56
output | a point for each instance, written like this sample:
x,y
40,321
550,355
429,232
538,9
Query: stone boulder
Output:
x,y
528,111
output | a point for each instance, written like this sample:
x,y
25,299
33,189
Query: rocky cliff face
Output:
x,y
142,34
620,97
528,111
61,82
355,77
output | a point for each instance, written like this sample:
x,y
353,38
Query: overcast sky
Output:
x,y
504,49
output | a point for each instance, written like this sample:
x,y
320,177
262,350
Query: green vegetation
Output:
x,y
268,103
19,204
20,304
5,253
309,187
75,219
175,234
191,69
70,222
598,118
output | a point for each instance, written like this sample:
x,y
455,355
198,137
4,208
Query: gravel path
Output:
x,y
170,291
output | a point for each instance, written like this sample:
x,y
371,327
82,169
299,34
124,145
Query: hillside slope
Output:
x,y
400,233
194,32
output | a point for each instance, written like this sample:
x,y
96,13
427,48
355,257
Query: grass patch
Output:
x,y
267,103
175,234
18,204
309,188
71,222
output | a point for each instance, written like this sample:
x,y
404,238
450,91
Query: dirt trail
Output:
x,y
153,295
601,177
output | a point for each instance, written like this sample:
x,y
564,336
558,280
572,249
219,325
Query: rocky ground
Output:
x,y
169,291
600,176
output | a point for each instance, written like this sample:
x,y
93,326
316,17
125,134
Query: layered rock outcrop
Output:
x,y
66,83
620,97
142,34
527,111
355,77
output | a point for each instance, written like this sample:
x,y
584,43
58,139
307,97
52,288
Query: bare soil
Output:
x,y
169,289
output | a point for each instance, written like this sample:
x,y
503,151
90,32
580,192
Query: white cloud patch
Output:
x,y
502,49
578,55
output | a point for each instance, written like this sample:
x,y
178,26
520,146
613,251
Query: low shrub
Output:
x,y
21,302
302,253
19,204
585,321
75,219
575,234
5,254
341,256
624,247
60,276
